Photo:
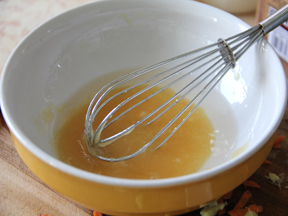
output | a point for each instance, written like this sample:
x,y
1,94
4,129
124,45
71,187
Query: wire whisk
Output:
x,y
211,64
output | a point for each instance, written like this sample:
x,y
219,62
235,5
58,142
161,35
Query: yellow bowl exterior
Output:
x,y
116,200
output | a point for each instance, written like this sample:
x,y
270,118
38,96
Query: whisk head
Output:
x,y
198,71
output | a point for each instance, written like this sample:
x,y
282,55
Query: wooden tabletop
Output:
x,y
22,193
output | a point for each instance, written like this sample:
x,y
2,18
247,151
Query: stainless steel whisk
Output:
x,y
214,62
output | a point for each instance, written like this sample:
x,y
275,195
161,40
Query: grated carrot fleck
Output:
x,y
244,199
250,183
276,146
243,211
266,162
279,139
95,213
255,208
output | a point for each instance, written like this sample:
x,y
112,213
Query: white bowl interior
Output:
x,y
67,52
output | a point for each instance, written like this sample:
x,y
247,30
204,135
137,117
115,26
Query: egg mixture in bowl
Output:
x,y
184,153
55,71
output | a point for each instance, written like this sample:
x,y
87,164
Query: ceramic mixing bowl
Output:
x,y
60,57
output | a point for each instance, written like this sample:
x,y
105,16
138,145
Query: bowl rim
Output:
x,y
131,183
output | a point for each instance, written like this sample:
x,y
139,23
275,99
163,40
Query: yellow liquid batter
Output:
x,y
184,153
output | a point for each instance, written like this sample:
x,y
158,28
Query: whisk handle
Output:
x,y
275,20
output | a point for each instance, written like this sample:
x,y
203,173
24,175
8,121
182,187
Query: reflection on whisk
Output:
x,y
206,65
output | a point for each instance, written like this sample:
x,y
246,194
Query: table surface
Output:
x,y
22,193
